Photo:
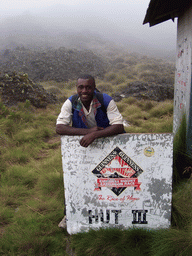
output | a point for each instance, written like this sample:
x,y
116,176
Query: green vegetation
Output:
x,y
31,184
129,67
147,116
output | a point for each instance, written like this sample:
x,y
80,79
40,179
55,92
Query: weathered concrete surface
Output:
x,y
183,85
120,181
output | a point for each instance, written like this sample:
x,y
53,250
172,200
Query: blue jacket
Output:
x,y
100,103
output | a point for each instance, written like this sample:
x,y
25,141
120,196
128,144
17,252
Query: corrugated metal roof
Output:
x,y
161,10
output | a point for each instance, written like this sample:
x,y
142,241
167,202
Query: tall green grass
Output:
x,y
113,241
146,116
182,161
31,183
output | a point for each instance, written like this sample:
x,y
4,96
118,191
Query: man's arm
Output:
x,y
69,130
89,134
116,126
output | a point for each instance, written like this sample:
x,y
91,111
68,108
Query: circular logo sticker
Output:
x,y
149,151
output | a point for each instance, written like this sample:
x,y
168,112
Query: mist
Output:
x,y
87,26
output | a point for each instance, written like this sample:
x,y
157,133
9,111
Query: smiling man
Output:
x,y
91,113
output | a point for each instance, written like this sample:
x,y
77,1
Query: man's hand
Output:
x,y
87,139
90,137
98,132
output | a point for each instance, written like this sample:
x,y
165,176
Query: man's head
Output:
x,y
87,76
85,89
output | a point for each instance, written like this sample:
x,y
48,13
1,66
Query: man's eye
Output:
x,y
81,87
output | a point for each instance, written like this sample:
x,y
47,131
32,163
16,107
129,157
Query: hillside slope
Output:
x,y
51,64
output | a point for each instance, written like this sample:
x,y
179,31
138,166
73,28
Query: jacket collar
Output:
x,y
79,107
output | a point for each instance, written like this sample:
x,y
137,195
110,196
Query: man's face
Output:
x,y
85,90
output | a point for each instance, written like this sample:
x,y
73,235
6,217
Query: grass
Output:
x,y
113,242
31,183
133,242
31,188
147,116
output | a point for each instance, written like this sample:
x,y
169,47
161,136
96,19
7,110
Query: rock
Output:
x,y
142,90
17,87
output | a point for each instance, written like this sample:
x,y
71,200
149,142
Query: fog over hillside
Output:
x,y
76,27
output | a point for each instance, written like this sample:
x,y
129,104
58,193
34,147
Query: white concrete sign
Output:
x,y
120,181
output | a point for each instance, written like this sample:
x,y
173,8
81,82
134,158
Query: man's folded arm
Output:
x,y
63,129
99,131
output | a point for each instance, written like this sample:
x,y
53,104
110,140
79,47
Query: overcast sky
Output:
x,y
112,18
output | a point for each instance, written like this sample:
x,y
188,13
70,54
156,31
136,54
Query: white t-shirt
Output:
x,y
113,114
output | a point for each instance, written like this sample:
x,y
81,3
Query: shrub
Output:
x,y
110,76
18,155
118,60
71,84
147,67
120,79
129,101
121,87
4,111
181,160
113,241
104,87
163,108
120,66
53,89
171,242
181,208
149,76
146,105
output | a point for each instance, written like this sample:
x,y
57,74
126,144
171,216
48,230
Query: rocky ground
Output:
x,y
51,64
142,90
16,87
22,69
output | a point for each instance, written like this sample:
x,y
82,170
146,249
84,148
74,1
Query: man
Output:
x,y
92,114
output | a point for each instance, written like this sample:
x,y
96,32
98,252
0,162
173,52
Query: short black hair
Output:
x,y
87,76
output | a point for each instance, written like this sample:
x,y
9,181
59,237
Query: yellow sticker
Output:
x,y
149,151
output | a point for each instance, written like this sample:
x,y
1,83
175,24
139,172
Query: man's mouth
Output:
x,y
84,96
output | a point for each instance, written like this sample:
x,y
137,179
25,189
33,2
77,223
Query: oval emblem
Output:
x,y
149,151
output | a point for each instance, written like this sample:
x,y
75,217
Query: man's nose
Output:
x,y
84,89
